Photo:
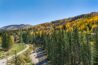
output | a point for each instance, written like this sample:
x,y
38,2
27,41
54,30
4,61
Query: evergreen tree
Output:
x,y
0,40
24,36
5,41
27,37
96,49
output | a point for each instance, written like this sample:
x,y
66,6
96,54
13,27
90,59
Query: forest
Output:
x,y
72,41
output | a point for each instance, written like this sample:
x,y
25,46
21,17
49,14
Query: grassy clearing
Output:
x,y
16,47
22,59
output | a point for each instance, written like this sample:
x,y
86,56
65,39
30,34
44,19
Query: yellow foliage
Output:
x,y
11,40
69,29
83,24
82,27
0,40
94,27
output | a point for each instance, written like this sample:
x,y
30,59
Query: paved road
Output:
x,y
39,57
4,61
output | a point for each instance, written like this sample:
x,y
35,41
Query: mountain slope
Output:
x,y
79,21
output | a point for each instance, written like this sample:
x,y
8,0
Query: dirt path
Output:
x,y
4,61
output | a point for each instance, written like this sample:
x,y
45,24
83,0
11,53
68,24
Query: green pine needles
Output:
x,y
71,48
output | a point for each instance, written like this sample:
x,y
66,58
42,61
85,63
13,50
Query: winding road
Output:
x,y
4,61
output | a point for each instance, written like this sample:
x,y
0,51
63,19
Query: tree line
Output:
x,y
9,38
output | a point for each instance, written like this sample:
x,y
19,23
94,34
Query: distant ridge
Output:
x,y
16,27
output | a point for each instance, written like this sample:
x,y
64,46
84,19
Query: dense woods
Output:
x,y
72,41
70,48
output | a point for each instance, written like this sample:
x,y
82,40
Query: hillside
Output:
x,y
84,21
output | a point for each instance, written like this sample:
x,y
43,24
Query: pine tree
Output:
x,y
5,41
0,40
96,48
27,37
